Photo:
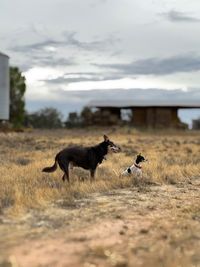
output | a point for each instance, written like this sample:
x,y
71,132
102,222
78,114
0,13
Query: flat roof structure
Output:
x,y
176,103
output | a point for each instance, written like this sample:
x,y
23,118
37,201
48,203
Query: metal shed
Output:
x,y
147,113
4,87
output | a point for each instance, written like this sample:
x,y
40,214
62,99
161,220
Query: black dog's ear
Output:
x,y
105,138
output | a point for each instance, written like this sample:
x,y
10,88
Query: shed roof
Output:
x,y
131,103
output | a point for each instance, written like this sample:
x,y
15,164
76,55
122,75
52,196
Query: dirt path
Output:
x,y
141,226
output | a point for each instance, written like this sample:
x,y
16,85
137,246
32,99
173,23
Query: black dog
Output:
x,y
85,157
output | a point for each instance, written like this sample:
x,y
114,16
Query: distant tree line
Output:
x,y
44,118
51,118
89,117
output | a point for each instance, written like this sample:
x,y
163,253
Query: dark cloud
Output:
x,y
91,45
48,52
82,77
52,61
42,61
157,66
35,46
67,39
160,95
177,16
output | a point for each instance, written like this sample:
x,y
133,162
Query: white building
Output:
x,y
4,87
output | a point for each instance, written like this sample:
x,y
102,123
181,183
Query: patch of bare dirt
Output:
x,y
140,226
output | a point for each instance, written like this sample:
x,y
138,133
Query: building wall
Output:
x,y
4,87
110,116
163,117
139,116
147,117
155,117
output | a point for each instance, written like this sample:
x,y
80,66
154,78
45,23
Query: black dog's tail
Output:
x,y
52,168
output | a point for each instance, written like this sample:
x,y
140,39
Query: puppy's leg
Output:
x,y
122,174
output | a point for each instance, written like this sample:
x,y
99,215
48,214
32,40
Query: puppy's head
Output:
x,y
140,159
112,148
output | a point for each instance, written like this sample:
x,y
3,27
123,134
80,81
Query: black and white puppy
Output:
x,y
136,168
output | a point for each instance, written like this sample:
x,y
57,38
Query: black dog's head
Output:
x,y
112,148
140,158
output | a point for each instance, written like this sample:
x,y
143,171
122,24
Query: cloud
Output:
x,y
68,39
73,41
177,16
55,61
131,95
82,77
157,66
46,61
56,51
38,46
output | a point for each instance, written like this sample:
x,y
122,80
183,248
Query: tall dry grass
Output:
x,y
173,158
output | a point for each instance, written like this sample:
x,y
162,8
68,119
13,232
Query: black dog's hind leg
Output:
x,y
92,174
63,178
65,168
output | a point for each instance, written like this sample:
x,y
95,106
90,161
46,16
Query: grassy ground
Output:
x,y
172,158
111,222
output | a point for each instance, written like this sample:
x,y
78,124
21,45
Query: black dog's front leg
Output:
x,y
92,175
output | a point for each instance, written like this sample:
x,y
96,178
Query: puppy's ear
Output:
x,y
105,138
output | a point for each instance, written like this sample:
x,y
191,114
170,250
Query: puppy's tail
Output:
x,y
52,168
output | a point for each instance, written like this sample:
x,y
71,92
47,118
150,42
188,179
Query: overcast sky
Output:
x,y
72,45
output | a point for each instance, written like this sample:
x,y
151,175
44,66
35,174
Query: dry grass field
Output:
x,y
152,221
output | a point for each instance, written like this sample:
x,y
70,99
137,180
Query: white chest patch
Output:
x,y
133,170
